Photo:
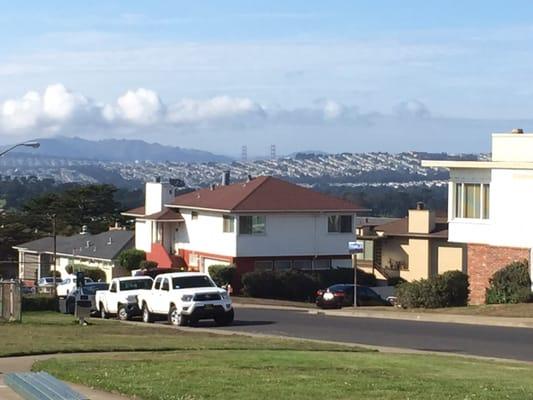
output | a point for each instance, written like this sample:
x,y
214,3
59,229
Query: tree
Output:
x,y
131,259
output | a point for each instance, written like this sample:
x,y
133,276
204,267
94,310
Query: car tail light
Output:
x,y
319,292
338,294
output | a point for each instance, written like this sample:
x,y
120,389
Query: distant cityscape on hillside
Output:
x,y
341,170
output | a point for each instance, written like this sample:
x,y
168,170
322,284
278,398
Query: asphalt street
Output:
x,y
487,341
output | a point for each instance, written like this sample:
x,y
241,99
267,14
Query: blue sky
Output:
x,y
335,76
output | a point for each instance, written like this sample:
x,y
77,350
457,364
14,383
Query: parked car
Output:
x,y
87,292
185,298
121,297
68,284
46,284
341,295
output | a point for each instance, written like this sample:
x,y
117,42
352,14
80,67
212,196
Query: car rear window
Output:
x,y
135,284
186,282
91,289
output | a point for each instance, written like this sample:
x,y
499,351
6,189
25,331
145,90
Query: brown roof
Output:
x,y
164,215
401,228
135,212
263,194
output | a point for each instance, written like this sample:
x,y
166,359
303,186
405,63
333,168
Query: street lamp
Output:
x,y
29,143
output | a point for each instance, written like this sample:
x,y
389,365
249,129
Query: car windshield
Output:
x,y
91,289
186,282
135,284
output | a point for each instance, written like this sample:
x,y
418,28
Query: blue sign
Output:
x,y
355,247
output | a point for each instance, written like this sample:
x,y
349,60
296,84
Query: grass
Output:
x,y
294,374
50,332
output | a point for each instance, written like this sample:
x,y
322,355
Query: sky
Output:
x,y
333,76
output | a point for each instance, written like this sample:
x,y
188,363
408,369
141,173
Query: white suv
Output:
x,y
184,298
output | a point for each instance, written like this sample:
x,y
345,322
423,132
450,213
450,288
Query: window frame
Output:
x,y
336,227
459,201
194,215
228,219
251,219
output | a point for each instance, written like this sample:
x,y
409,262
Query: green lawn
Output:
x,y
294,374
50,332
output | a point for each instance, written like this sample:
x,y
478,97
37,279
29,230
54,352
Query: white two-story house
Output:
x,y
490,207
263,223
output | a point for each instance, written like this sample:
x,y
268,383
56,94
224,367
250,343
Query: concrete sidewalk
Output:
x,y
370,312
24,364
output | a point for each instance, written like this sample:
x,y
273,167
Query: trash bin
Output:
x,y
63,305
83,309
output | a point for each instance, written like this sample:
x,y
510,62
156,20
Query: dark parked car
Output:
x,y
86,292
341,295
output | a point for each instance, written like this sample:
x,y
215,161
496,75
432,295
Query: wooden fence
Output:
x,y
10,301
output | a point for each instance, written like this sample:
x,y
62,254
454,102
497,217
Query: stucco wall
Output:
x,y
450,259
294,235
418,259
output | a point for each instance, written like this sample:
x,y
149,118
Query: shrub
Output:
x,y
39,303
222,274
56,273
510,284
450,289
145,264
96,274
395,281
265,284
131,259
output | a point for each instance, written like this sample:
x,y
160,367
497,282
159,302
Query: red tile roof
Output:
x,y
263,194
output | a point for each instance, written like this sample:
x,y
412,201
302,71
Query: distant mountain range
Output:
x,y
119,150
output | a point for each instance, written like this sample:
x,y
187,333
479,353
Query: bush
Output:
x,y
131,259
145,264
222,274
39,303
96,274
265,284
511,284
395,281
450,289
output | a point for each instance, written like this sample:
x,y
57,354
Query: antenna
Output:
x,y
244,153
273,151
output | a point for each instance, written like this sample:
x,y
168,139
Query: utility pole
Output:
x,y
354,266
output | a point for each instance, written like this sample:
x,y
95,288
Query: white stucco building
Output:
x,y
490,207
262,223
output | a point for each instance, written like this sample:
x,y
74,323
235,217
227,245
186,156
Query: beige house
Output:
x,y
412,248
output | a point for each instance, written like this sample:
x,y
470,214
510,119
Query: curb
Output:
x,y
506,322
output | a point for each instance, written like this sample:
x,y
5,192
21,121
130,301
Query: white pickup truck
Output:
x,y
184,298
121,297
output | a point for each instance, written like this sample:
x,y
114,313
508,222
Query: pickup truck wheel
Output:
x,y
103,314
176,318
147,315
225,319
122,313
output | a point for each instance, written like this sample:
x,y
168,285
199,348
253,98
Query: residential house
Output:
x,y
413,247
489,207
94,251
262,223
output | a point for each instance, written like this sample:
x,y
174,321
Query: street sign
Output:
x,y
355,247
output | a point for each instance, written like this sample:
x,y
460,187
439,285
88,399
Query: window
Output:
x,y
252,225
194,215
165,285
228,224
282,264
263,265
303,264
157,283
340,223
321,263
135,284
113,287
187,282
472,200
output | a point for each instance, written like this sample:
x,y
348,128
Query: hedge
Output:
x,y
297,284
450,289
222,274
511,284
39,303
96,274
145,264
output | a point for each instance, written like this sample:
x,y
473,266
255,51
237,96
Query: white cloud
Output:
x,y
332,109
59,103
412,108
21,114
141,106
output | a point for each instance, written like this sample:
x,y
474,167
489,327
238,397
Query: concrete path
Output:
x,y
24,364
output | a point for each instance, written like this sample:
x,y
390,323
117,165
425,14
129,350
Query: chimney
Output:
x,y
517,131
249,179
157,194
421,220
225,178
212,186
157,179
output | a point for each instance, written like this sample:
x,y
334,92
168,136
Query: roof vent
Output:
x,y
517,131
88,244
420,205
249,179
109,241
225,178
212,186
